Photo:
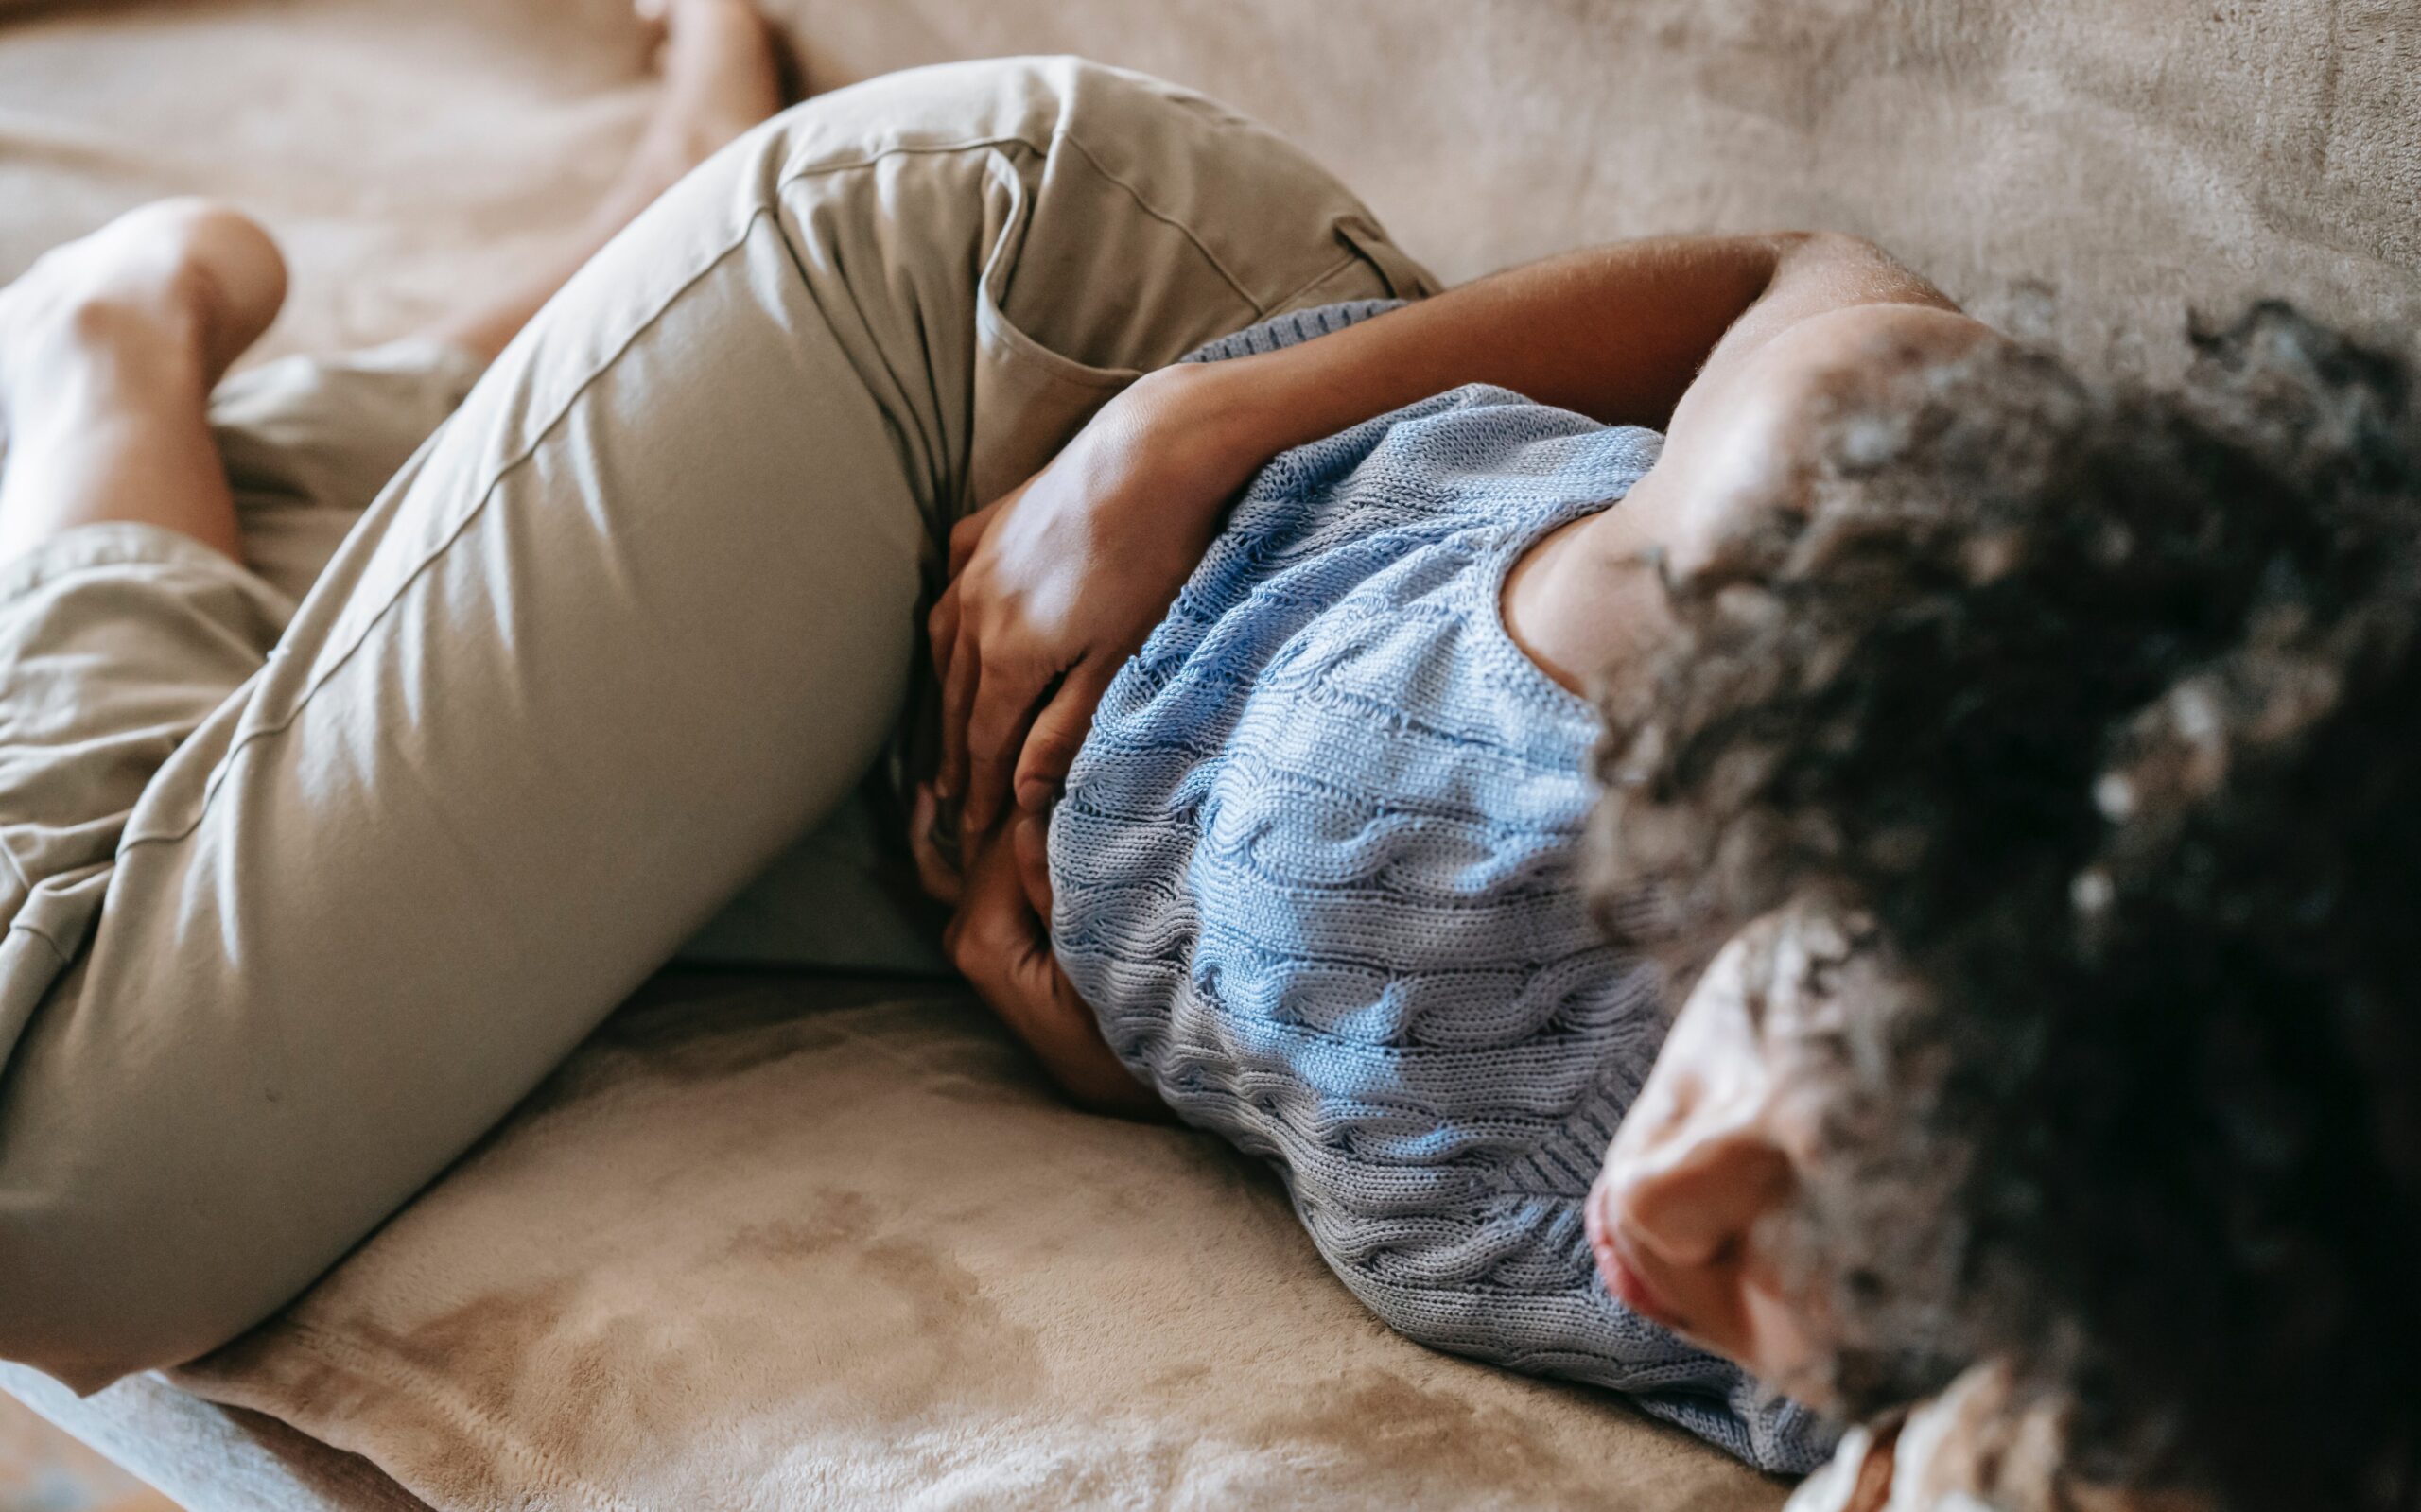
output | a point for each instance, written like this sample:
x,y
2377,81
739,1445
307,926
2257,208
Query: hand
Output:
x,y
937,851
1055,584
1000,941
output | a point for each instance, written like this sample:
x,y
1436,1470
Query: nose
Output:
x,y
1692,1200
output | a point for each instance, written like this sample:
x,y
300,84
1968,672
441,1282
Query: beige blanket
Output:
x,y
2134,157
774,1245
743,1256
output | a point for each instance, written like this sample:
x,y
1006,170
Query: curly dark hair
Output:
x,y
2104,700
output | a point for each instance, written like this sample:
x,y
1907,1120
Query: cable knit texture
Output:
x,y
1317,870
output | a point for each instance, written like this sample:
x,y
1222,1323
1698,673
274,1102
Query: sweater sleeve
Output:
x,y
1293,329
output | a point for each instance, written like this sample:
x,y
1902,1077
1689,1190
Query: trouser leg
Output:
x,y
308,441
640,614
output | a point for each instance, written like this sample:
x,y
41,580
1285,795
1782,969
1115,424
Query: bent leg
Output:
x,y
107,350
309,440
641,613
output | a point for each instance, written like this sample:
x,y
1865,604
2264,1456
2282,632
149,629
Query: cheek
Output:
x,y
1703,1086
1654,1118
1787,1290
1788,1345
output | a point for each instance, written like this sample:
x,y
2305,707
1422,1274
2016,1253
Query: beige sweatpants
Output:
x,y
303,897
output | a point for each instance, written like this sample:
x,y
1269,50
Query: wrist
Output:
x,y
1207,419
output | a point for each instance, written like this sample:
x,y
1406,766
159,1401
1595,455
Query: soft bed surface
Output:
x,y
770,1243
2130,158
766,1245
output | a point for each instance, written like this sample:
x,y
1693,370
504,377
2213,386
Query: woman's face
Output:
x,y
1717,1144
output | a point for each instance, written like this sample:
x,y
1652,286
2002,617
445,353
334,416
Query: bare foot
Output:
x,y
168,295
722,76
109,349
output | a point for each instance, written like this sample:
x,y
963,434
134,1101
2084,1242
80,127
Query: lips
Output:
x,y
1624,1279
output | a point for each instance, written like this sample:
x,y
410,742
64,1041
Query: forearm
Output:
x,y
1065,577
1617,333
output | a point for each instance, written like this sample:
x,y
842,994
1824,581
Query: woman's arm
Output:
x,y
1056,583
1616,333
1064,578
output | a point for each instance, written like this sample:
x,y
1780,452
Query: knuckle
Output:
x,y
977,960
966,956
1055,745
989,723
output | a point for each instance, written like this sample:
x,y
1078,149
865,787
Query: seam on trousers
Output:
x,y
226,763
16,868
1158,214
487,495
1040,150
44,935
99,545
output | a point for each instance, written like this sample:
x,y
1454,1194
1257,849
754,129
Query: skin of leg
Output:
x,y
641,613
720,77
108,352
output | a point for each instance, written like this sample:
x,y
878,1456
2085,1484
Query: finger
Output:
x,y
933,848
968,532
990,929
1030,973
1031,835
958,700
977,956
941,631
966,536
1023,970
1004,952
996,728
1084,1064
1059,733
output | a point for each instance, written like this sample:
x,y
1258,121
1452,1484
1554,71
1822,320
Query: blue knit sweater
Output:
x,y
1317,870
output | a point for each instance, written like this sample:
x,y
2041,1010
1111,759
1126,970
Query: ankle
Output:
x,y
113,340
174,318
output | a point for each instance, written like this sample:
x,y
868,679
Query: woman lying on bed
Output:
x,y
309,889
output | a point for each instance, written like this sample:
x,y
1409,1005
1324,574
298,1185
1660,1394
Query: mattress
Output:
x,y
773,1241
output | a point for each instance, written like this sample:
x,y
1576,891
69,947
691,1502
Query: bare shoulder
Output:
x,y
1842,315
1745,435
1839,306
1824,351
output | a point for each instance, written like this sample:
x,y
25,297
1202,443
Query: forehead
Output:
x,y
1809,964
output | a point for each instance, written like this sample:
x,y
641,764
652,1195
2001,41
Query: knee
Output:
x,y
102,1280
979,103
87,1331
